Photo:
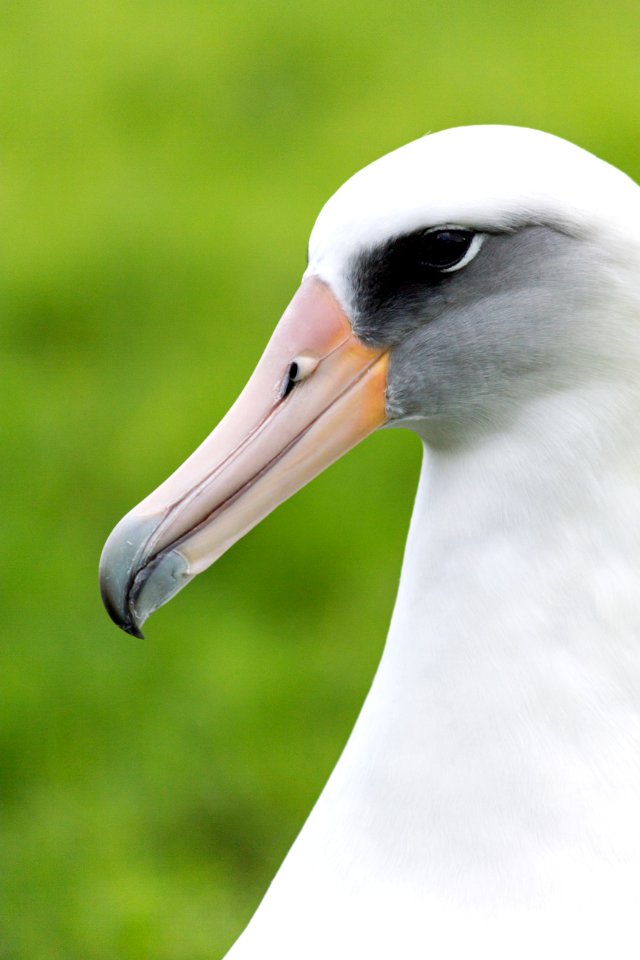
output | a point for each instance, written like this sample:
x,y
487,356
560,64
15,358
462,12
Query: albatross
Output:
x,y
481,287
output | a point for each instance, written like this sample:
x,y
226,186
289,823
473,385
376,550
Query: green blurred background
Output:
x,y
163,164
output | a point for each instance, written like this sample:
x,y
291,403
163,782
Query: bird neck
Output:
x,y
512,667
488,796
535,526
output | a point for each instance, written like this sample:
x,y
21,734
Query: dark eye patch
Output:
x,y
412,260
394,279
418,258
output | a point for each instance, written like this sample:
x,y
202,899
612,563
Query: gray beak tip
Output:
x,y
117,608
121,559
134,582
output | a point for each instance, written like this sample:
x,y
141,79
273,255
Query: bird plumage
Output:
x,y
487,800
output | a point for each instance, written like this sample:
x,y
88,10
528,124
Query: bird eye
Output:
x,y
447,249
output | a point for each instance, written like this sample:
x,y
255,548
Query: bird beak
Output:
x,y
316,392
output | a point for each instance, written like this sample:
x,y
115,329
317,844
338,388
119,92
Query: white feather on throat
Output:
x,y
490,790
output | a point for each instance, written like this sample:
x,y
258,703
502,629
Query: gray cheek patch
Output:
x,y
475,338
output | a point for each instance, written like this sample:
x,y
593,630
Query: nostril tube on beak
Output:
x,y
299,369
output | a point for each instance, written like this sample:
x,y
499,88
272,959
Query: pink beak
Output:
x,y
316,392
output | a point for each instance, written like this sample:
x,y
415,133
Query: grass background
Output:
x,y
162,166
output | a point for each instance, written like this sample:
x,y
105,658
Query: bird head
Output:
x,y
448,283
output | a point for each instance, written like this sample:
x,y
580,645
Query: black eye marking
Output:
x,y
395,285
405,265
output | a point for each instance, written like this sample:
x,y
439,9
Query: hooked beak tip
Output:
x,y
134,582
118,565
132,629
118,609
